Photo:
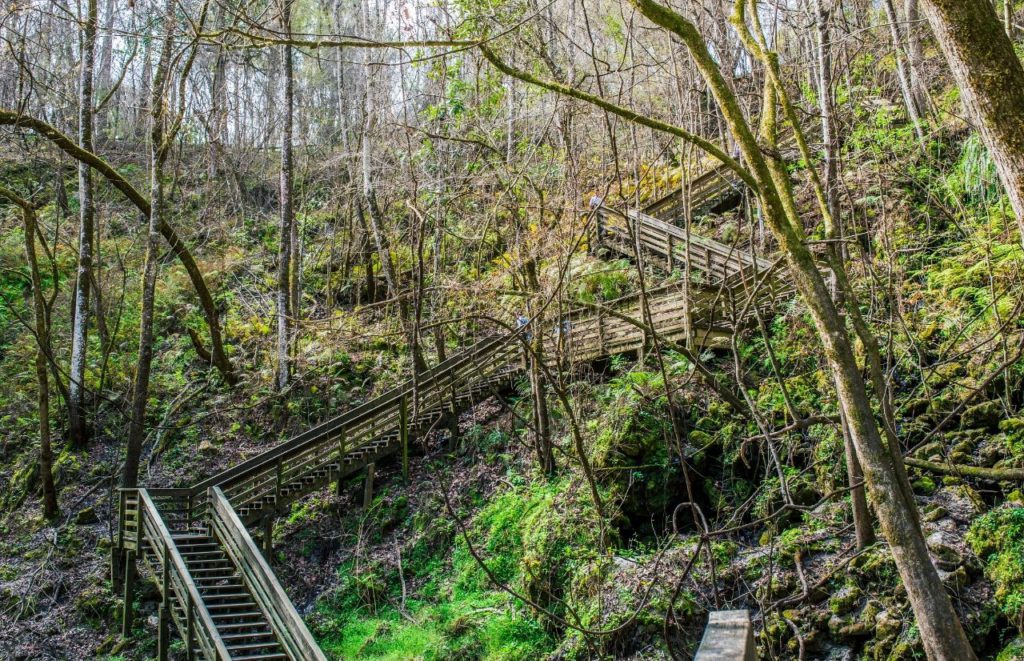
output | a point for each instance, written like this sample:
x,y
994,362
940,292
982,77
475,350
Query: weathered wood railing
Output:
x,y
717,262
703,194
150,540
263,585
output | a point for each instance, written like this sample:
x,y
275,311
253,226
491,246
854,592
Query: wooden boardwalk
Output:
x,y
218,591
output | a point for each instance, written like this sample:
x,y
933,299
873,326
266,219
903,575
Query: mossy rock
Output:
x,y
924,485
982,416
1012,652
997,538
845,600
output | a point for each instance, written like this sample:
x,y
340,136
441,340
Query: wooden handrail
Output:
x,y
328,429
191,600
263,585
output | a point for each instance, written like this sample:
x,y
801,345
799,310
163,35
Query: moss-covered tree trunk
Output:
x,y
41,329
991,81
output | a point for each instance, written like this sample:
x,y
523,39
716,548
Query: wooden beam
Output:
x,y
371,468
729,636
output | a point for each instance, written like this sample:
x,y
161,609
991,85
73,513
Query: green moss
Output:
x,y
998,539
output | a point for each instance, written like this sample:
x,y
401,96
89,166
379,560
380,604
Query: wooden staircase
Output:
x,y
217,587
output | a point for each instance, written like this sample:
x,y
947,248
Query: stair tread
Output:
x,y
247,636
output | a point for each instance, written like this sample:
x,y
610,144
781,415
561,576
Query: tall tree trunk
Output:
x,y
78,427
538,384
387,266
991,81
41,327
901,70
103,79
858,498
287,217
158,154
915,56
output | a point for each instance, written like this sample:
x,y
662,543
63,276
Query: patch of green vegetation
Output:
x,y
997,537
534,541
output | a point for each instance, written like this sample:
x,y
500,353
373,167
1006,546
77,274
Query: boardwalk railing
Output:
x,y
263,585
147,536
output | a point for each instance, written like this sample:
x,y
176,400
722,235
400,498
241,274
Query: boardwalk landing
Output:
x,y
729,636
216,588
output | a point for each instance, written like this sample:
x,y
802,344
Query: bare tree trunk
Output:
x,y
538,383
285,250
915,56
78,427
991,81
901,69
103,82
858,498
384,251
158,155
43,354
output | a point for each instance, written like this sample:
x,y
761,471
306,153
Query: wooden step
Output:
x,y
252,615
266,633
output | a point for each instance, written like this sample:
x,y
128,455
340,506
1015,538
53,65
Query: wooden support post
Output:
x,y
162,634
117,552
268,536
128,613
190,629
164,612
403,435
368,486
453,422
671,254
278,482
729,636
341,458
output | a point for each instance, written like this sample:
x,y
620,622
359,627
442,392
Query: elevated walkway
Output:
x,y
217,589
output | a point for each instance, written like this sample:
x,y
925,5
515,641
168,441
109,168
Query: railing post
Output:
x,y
190,628
117,553
671,253
268,536
163,630
278,482
368,486
453,422
341,458
128,613
403,434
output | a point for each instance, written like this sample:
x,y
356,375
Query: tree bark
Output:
x,y
158,154
858,499
287,216
915,56
78,428
43,354
901,70
991,81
